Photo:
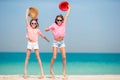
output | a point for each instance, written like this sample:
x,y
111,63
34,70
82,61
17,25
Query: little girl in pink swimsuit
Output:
x,y
32,35
58,30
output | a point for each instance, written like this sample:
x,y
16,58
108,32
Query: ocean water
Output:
x,y
77,63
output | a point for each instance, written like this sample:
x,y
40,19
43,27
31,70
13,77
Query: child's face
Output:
x,y
33,24
59,21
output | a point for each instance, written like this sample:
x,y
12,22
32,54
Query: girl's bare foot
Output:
x,y
65,76
42,76
52,74
24,76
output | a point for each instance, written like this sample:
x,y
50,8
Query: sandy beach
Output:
x,y
60,77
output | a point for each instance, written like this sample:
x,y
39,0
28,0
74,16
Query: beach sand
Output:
x,y
60,77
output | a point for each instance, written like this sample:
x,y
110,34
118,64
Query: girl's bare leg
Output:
x,y
63,51
26,62
40,63
55,49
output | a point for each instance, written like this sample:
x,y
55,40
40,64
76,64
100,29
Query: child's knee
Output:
x,y
37,56
64,57
27,57
54,57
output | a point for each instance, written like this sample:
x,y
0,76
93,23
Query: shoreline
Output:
x,y
60,77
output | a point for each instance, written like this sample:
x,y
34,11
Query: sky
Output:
x,y
93,25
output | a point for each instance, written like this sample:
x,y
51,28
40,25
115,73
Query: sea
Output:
x,y
78,63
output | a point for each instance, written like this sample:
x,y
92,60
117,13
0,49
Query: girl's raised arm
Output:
x,y
67,14
27,13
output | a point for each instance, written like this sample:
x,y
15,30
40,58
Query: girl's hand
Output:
x,y
46,29
27,14
27,11
46,39
69,7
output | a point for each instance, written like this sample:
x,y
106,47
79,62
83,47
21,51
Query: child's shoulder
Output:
x,y
52,25
28,26
63,23
38,29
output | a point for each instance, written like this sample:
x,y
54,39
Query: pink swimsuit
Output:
x,y
32,34
58,31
